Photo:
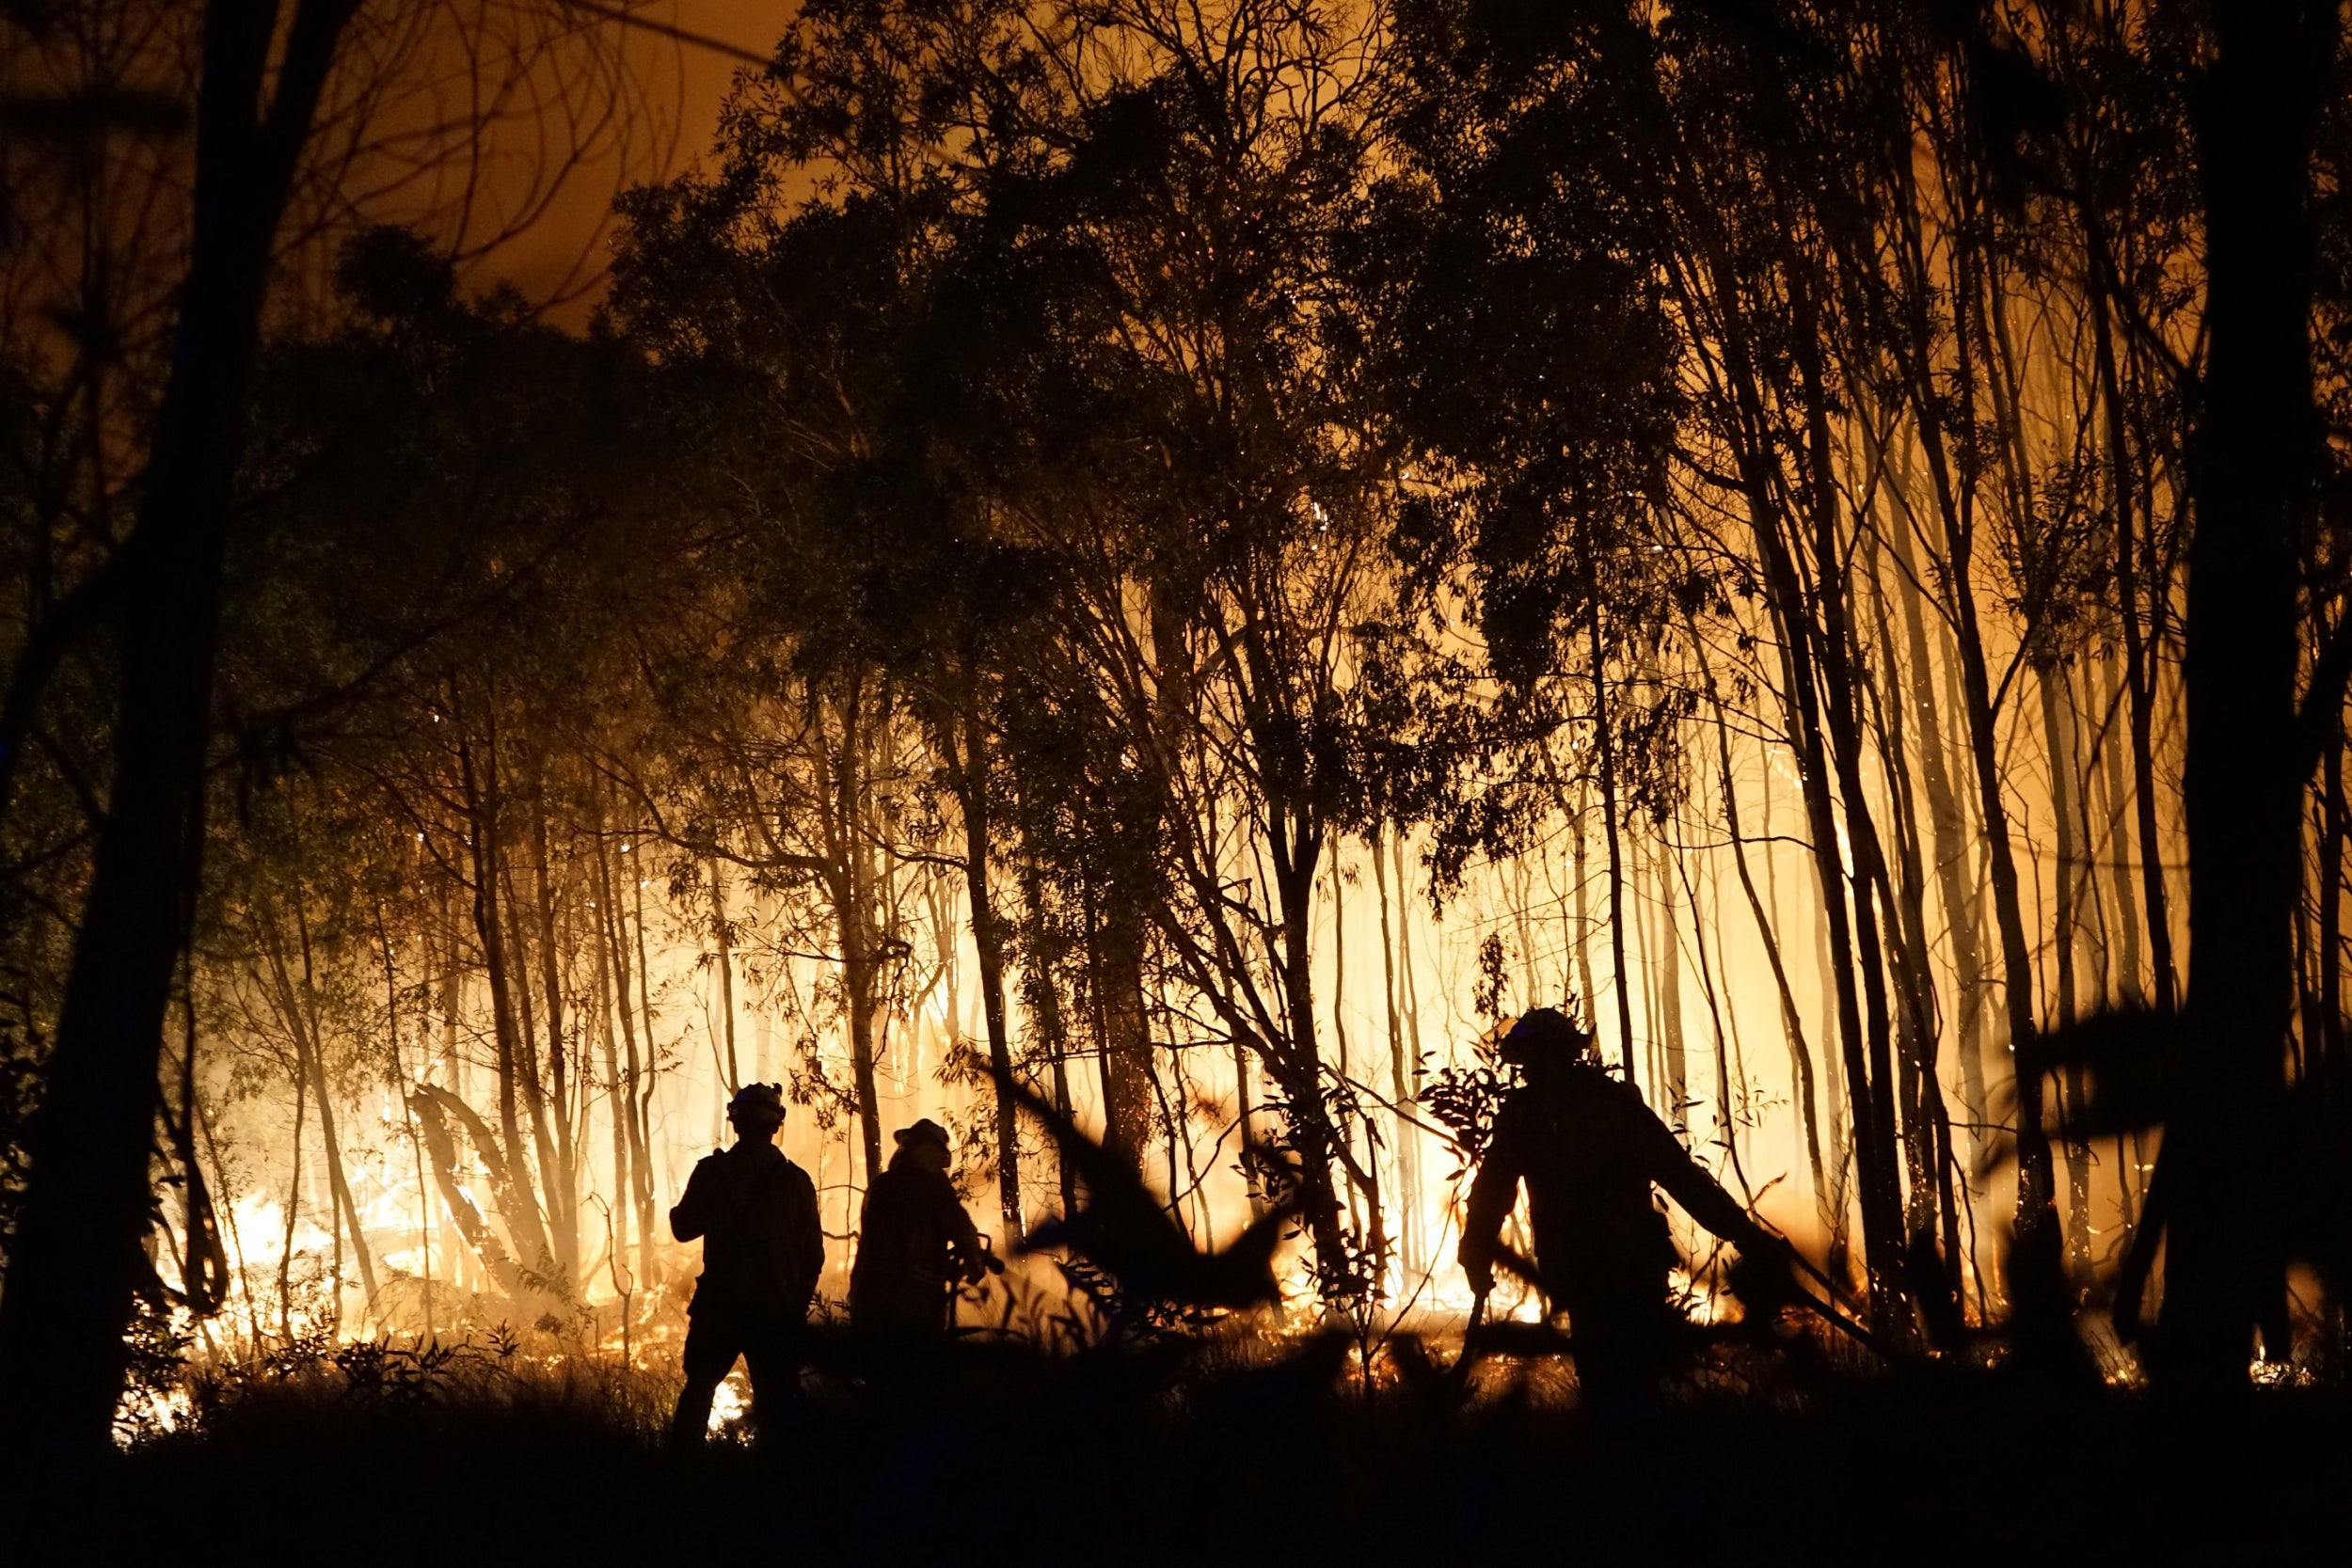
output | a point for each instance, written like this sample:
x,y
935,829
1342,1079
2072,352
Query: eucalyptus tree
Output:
x,y
796,749
1202,465
804,267
1113,222
1522,347
1660,228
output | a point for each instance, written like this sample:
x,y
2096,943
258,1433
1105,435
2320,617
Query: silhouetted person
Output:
x,y
1589,1150
762,1251
913,1238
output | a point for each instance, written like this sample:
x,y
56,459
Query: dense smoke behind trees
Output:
x,y
1196,557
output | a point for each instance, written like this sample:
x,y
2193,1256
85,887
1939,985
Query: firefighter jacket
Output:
x,y
1589,1151
912,1236
762,1245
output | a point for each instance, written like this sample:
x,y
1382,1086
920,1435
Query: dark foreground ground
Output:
x,y
1151,1459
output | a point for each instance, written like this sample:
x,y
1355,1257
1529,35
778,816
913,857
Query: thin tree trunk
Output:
x,y
2138,671
2035,1257
560,1168
1364,1175
399,1086
1400,1085
1582,870
647,1174
721,932
293,1200
1669,969
2049,676
849,885
988,939
1902,890
1296,1061
1849,939
617,1089
538,1175
1946,823
1605,751
1792,1022
1835,657
635,1177
523,1217
300,1006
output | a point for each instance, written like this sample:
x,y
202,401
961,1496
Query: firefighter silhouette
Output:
x,y
763,1248
1589,1151
914,1238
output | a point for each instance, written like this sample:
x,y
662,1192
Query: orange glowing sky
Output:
x,y
686,82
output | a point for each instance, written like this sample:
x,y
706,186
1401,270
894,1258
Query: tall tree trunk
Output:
x,y
971,777
1581,910
2115,811
2049,675
848,879
297,1006
617,1089
1849,939
77,1254
634,1180
293,1203
1836,656
2036,1258
648,1178
1122,1028
560,1166
1297,1060
859,976
2252,459
1605,754
1402,1084
723,936
1946,824
2140,679
1791,1021
1902,891
1669,968
397,1081
523,1217
1363,1173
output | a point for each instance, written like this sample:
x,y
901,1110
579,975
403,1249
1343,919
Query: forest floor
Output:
x,y
1171,1458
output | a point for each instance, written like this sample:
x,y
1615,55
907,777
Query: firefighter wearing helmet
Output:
x,y
1589,1152
755,1213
